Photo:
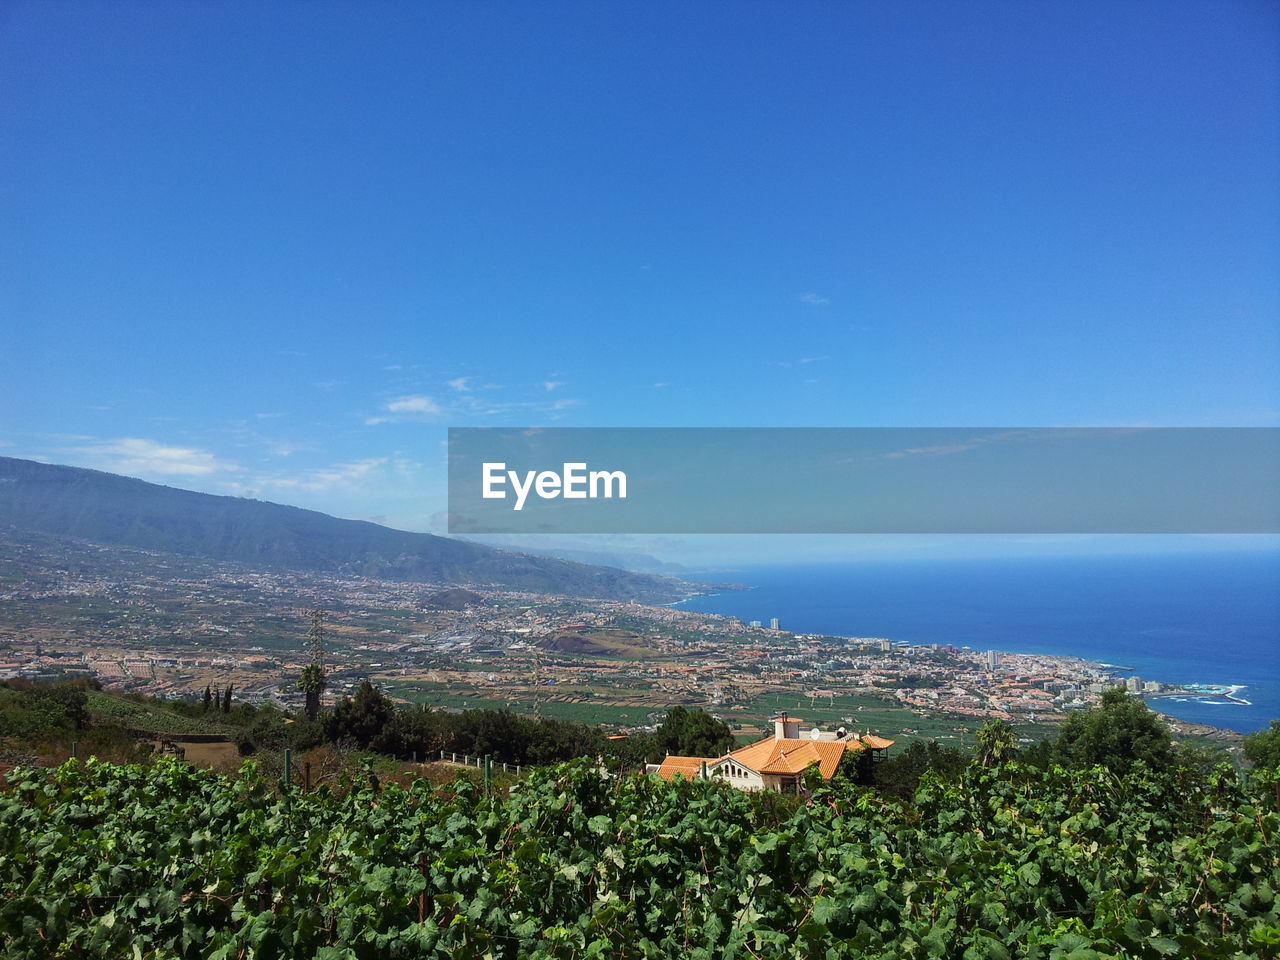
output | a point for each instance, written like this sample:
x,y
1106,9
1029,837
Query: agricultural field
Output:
x,y
106,708
580,712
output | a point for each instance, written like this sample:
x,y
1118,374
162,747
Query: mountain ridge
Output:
x,y
116,510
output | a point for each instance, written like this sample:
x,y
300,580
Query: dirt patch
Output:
x,y
621,644
216,756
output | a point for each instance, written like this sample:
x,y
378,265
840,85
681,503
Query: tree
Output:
x,y
362,719
208,698
694,733
64,704
419,731
226,700
996,742
1200,758
1117,733
1263,747
900,775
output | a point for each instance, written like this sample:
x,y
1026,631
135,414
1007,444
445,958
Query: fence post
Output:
x,y
487,764
306,776
75,749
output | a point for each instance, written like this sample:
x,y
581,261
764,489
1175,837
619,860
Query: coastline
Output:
x,y
1206,625
1110,673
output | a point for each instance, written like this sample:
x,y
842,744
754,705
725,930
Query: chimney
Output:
x,y
785,728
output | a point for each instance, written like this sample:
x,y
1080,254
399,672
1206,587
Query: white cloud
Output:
x,y
412,407
287,448
553,384
325,479
415,403
134,455
460,384
812,298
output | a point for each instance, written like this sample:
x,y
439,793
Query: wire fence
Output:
x,y
477,762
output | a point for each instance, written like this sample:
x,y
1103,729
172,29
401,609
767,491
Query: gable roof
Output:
x,y
793,756
689,767
786,757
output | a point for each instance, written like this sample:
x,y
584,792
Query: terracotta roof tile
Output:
x,y
689,767
787,757
794,756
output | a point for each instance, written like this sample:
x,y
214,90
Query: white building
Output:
x,y
777,762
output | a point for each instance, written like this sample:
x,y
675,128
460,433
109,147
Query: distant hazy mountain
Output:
x,y
121,511
626,560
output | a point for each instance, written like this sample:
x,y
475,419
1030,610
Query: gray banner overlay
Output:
x,y
864,480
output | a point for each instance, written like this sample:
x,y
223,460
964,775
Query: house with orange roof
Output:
x,y
778,762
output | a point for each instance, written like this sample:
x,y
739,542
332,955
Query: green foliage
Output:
x,y
99,860
1263,748
1200,758
1116,734
506,737
900,774
155,716
274,731
312,683
996,742
693,733
31,711
361,719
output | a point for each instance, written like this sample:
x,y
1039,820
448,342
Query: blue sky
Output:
x,y
277,249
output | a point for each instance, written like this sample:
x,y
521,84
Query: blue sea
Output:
x,y
1188,619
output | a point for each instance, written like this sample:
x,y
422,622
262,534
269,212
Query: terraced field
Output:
x,y
107,708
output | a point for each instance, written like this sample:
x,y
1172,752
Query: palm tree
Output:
x,y
996,742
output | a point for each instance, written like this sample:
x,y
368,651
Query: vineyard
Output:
x,y
106,708
98,860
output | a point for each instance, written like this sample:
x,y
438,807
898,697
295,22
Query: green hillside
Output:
x,y
120,511
106,708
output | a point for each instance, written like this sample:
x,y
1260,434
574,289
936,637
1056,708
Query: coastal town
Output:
x,y
156,625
